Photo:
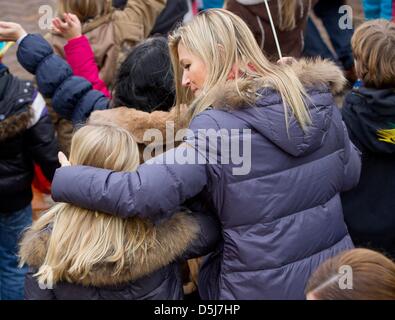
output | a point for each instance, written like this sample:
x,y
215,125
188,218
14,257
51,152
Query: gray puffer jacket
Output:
x,y
280,220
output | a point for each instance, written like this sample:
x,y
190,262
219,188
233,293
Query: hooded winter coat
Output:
x,y
26,137
280,220
369,208
153,275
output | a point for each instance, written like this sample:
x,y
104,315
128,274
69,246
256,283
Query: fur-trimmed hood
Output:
x,y
318,76
173,237
138,122
15,125
313,73
321,78
16,96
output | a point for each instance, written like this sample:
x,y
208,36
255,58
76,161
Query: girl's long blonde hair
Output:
x,y
84,9
221,39
80,239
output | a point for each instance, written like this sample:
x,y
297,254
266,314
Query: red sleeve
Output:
x,y
81,58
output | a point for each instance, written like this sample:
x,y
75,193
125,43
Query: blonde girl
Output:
x,y
85,254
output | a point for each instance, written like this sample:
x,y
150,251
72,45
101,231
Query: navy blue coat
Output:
x,y
73,97
369,208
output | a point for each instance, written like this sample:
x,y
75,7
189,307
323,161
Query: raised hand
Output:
x,y
69,29
10,31
64,162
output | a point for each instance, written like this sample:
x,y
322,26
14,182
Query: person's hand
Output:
x,y
10,31
64,162
69,29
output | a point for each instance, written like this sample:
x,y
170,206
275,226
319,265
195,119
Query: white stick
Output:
x,y
274,30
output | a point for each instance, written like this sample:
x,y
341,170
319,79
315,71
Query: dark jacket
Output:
x,y
280,220
257,18
156,276
172,15
26,136
369,209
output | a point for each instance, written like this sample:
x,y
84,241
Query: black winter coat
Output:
x,y
26,137
369,209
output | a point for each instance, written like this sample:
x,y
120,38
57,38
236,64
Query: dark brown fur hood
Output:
x,y
313,73
15,124
172,239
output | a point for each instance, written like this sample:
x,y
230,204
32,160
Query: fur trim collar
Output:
x,y
173,236
314,74
15,124
138,122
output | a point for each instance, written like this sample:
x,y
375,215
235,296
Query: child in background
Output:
x,y
369,114
91,255
78,51
109,31
26,137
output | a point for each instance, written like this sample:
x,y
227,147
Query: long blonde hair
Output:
x,y
221,39
84,9
80,239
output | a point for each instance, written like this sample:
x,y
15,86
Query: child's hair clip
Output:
x,y
4,46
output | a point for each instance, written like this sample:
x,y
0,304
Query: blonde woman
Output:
x,y
74,253
278,203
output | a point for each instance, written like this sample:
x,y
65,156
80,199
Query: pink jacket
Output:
x,y
81,58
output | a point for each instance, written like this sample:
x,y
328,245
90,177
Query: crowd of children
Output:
x,y
320,176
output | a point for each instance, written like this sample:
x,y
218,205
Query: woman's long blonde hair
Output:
x,y
80,239
221,40
84,9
